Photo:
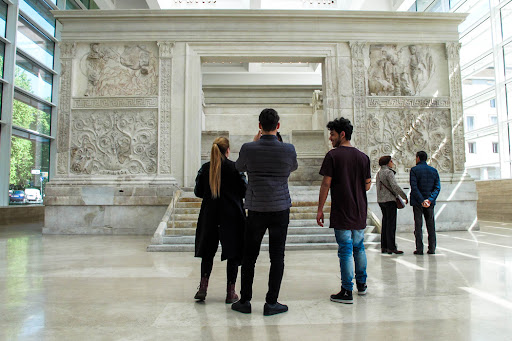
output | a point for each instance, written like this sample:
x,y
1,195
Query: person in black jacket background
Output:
x,y
222,217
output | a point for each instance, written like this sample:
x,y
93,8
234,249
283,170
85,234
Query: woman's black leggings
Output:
x,y
231,269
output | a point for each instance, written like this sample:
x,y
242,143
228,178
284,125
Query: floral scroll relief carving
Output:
x,y
401,133
113,143
118,71
403,71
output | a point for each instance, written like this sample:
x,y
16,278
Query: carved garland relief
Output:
x,y
113,142
112,127
391,117
401,133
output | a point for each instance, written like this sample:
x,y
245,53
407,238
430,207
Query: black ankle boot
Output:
x,y
203,286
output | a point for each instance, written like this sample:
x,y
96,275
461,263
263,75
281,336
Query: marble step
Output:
x,y
292,231
293,216
294,222
295,204
299,209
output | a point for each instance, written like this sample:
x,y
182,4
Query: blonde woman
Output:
x,y
222,217
387,190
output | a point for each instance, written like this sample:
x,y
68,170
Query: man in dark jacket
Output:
x,y
425,187
268,164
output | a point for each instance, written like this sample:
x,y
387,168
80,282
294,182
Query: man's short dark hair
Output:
x,y
384,160
269,119
341,124
422,155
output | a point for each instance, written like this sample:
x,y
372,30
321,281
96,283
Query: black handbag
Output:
x,y
400,203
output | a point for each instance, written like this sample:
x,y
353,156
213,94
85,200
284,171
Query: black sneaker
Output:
x,y
431,252
272,309
361,288
344,296
244,308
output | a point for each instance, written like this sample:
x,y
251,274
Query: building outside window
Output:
x,y
472,147
486,71
28,98
495,147
470,123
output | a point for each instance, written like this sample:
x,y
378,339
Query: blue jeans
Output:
x,y
350,242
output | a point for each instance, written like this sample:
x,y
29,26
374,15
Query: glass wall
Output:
x,y
486,70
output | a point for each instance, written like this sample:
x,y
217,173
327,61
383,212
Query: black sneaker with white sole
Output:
x,y
361,288
344,296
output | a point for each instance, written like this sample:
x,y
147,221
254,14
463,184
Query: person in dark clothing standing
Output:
x,y
346,172
222,217
387,190
268,164
425,187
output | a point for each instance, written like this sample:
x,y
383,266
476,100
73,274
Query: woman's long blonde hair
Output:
x,y
218,154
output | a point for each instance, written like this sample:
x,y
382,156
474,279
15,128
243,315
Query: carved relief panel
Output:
x,y
407,70
114,143
107,69
402,132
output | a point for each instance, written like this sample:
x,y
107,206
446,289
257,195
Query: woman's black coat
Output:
x,y
222,218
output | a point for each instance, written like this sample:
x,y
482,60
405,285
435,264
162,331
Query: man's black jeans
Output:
x,y
256,225
428,212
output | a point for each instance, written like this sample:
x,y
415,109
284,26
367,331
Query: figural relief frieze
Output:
x,y
402,132
119,70
399,71
114,142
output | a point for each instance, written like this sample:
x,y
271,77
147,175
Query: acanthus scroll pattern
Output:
x,y
64,114
359,80
402,133
452,53
165,53
111,143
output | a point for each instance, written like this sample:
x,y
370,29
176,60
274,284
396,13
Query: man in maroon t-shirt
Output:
x,y
346,171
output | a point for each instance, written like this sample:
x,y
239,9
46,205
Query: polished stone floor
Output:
x,y
110,288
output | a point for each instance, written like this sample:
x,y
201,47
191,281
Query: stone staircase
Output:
x,y
303,232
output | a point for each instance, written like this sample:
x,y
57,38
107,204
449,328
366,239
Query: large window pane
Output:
x,y
476,42
31,114
476,9
32,78
29,168
478,77
35,43
506,21
89,4
483,112
72,5
39,12
454,3
3,17
1,92
2,53
508,88
507,56
421,5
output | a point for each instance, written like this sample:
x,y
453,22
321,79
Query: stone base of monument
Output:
x,y
105,209
455,208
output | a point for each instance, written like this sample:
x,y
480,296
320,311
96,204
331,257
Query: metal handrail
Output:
x,y
158,236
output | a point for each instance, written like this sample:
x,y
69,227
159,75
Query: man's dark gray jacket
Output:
x,y
268,164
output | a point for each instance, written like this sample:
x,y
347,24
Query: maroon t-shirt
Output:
x,y
349,168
